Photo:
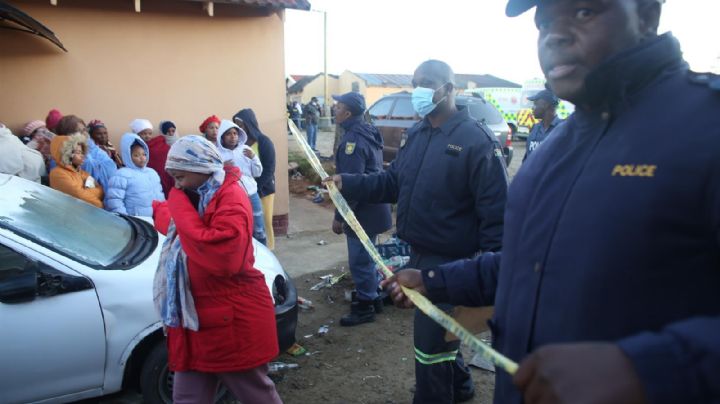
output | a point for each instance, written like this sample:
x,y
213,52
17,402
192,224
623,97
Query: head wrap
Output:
x,y
171,286
52,119
165,126
206,122
196,154
95,124
32,126
139,125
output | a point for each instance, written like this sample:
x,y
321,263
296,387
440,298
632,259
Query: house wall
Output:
x,y
170,61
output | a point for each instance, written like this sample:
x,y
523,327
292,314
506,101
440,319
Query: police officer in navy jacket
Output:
x,y
544,108
450,186
360,152
608,289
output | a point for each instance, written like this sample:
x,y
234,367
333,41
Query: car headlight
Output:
x,y
280,290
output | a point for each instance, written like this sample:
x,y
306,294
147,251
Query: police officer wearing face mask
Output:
x,y
608,288
450,185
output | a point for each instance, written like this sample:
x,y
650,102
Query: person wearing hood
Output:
x,y
231,144
99,134
360,152
159,147
69,152
209,128
18,159
97,163
213,302
264,148
142,128
134,188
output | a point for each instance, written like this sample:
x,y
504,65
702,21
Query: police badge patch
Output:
x,y
403,139
349,148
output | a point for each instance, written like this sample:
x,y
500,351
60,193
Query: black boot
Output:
x,y
378,305
361,312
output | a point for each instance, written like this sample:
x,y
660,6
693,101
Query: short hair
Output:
x,y
439,70
68,125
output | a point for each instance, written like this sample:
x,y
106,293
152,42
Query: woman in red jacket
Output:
x,y
215,305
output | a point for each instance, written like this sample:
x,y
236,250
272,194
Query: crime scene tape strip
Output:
x,y
420,301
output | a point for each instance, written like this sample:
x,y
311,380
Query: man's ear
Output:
x,y
649,14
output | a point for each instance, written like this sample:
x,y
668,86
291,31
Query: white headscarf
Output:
x,y
196,154
139,125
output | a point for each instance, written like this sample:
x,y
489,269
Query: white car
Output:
x,y
76,309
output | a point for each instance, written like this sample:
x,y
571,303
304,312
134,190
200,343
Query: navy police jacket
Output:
x,y
360,152
612,232
449,184
538,134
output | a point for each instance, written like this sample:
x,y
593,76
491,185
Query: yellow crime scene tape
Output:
x,y
420,301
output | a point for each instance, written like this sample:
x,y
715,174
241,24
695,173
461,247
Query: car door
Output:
x,y
403,117
379,115
52,345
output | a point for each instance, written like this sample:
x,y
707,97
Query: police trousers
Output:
x,y
362,268
440,372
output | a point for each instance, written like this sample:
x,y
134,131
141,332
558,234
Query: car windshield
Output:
x,y
484,112
62,223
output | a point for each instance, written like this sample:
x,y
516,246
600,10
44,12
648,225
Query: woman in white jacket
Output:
x,y
231,143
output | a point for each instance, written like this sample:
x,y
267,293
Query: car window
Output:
x,y
403,109
483,111
10,260
381,109
62,223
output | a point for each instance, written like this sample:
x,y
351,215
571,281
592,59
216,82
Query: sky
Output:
x,y
473,36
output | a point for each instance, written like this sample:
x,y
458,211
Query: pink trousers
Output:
x,y
250,386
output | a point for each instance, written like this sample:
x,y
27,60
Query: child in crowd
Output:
x,y
99,134
142,128
209,128
97,163
231,143
134,188
159,147
69,153
263,147
222,329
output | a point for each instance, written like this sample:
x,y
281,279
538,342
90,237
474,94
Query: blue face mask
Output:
x,y
422,100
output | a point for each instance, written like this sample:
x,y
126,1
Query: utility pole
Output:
x,y
325,59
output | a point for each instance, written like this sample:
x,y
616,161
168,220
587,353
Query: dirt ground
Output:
x,y
371,363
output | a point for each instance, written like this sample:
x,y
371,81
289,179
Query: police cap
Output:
x,y
355,102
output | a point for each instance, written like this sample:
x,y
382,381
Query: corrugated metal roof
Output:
x,y
461,80
386,80
305,80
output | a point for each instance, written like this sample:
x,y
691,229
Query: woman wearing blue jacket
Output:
x,y
133,189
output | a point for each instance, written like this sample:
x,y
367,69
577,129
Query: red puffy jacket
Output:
x,y
235,310
158,155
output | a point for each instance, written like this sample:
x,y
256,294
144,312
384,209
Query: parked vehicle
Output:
x,y
76,299
393,115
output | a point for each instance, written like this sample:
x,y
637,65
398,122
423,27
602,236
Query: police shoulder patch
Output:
x,y
349,148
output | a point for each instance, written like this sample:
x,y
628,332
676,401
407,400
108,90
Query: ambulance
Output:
x,y
515,107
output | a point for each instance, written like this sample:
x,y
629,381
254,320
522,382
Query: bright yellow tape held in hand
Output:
x,y
420,301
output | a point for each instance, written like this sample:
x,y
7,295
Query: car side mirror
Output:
x,y
18,286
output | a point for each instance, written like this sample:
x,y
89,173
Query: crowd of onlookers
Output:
x,y
80,160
